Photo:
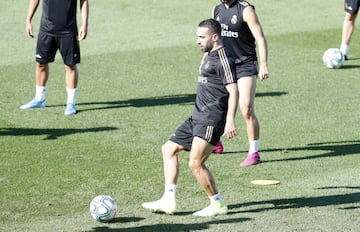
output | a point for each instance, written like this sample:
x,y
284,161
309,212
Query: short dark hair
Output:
x,y
213,26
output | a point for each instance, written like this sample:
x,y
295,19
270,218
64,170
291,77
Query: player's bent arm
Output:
x,y
230,128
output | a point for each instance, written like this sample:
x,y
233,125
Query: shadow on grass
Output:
x,y
350,66
50,133
331,149
354,58
340,187
171,227
181,99
300,202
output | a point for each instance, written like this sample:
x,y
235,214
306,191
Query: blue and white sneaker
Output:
x,y
33,104
70,109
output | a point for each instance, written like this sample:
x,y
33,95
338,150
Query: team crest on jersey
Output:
x,y
234,19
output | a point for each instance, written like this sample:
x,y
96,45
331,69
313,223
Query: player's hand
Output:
x,y
82,33
29,31
263,73
230,130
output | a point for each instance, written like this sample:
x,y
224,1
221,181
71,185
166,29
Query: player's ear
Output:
x,y
215,37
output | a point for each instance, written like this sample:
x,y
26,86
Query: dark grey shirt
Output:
x,y
217,71
59,17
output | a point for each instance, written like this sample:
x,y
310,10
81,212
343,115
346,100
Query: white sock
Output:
x,y
253,146
71,95
344,48
216,199
170,191
40,92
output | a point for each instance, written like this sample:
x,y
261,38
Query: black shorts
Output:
x,y
247,69
47,45
185,134
352,6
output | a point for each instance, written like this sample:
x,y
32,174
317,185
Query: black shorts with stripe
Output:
x,y
47,46
185,133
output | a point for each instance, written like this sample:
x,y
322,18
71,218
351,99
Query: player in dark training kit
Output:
x,y
241,30
58,31
212,117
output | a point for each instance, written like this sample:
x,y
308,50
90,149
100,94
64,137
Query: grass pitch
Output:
x,y
137,84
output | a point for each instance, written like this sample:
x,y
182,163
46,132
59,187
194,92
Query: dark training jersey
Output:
x,y
59,18
236,34
211,104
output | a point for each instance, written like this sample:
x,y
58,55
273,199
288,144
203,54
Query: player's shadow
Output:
x,y
180,99
350,66
294,203
346,65
173,227
53,133
326,149
339,187
271,94
125,220
354,58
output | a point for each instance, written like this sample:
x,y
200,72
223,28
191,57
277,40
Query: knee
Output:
x,y
41,66
350,17
71,69
194,166
165,148
169,150
247,111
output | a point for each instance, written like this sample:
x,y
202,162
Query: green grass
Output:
x,y
137,84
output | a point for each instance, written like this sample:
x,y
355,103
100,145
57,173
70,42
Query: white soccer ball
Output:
x,y
103,208
333,58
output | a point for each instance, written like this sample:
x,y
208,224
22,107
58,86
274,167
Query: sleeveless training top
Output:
x,y
236,34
